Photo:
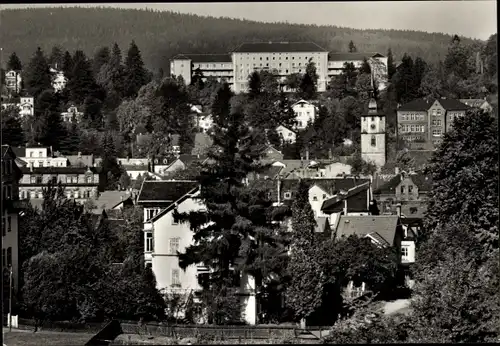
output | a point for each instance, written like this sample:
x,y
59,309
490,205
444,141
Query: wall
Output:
x,y
321,196
11,239
287,135
450,117
304,112
416,139
162,261
181,68
334,169
436,123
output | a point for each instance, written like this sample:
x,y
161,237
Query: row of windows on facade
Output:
x,y
7,257
173,244
6,225
7,167
69,194
38,179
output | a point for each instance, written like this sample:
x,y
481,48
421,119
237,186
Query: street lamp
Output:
x,y
10,298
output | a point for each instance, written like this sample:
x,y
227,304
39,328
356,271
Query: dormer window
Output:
x,y
315,198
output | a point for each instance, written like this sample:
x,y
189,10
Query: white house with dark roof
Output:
x,y
478,104
283,58
13,81
305,112
72,114
164,237
286,135
25,104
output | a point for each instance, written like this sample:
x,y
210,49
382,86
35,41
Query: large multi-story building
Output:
x,y
423,122
11,174
282,58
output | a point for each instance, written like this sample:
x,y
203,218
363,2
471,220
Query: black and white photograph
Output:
x,y
206,173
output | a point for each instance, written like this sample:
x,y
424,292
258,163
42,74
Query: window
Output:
x,y
437,132
89,179
288,195
31,154
39,179
149,241
151,213
324,196
404,252
315,198
373,141
439,112
436,122
149,265
373,119
176,281
174,245
402,189
9,257
40,154
434,112
410,189
174,222
74,180
54,179
68,180
40,163
9,223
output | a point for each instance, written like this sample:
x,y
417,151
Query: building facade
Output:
x,y
422,123
13,81
80,183
305,113
38,156
11,174
373,136
281,58
26,106
72,115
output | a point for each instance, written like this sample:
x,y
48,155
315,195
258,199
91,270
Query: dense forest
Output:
x,y
161,35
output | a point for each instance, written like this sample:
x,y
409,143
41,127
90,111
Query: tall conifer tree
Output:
x,y
37,76
135,74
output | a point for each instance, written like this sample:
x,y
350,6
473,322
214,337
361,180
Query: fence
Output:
x,y
229,332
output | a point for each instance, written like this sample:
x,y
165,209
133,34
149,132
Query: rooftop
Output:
x,y
423,105
423,182
110,199
58,170
352,56
165,190
204,58
278,47
383,225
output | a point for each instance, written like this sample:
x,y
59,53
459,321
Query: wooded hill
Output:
x,y
161,35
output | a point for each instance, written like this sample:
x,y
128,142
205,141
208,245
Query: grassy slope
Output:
x,y
28,338
160,35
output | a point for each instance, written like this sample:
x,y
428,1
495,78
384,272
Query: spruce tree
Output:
x,y
352,47
111,78
240,234
110,169
50,128
135,74
14,63
391,68
37,76
81,84
56,59
101,57
365,67
12,131
254,84
92,113
67,66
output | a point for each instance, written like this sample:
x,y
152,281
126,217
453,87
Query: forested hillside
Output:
x,y
161,35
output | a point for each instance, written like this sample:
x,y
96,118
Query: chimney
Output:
x,y
398,209
307,154
345,206
330,154
80,154
396,170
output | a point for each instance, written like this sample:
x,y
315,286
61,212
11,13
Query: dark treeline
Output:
x,y
164,34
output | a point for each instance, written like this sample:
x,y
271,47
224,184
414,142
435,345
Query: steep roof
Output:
x,y
453,105
423,182
59,170
165,190
175,203
278,47
204,58
418,105
340,56
110,199
360,187
473,102
383,225
19,151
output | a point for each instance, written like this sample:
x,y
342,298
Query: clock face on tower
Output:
x,y
372,126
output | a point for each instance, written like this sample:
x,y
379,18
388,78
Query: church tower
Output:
x,y
373,140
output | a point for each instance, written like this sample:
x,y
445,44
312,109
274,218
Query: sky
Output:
x,y
472,18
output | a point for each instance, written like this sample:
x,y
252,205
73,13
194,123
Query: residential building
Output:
x,y
373,135
164,166
381,230
286,135
80,183
204,122
305,113
410,190
72,115
11,174
282,58
40,156
26,105
478,104
423,122
13,81
164,237
268,152
58,79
